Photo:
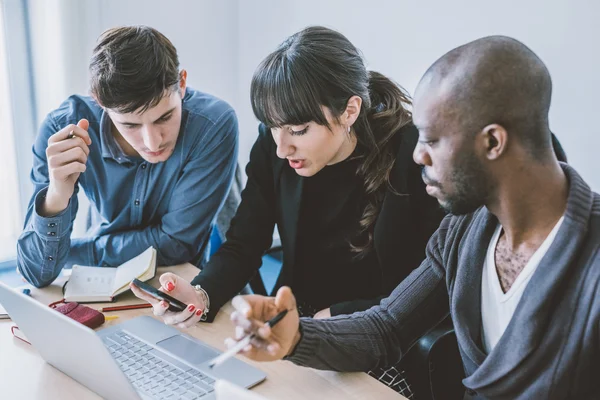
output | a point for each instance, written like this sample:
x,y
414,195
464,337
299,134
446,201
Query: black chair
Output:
x,y
433,365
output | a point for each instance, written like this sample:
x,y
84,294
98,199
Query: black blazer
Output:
x,y
272,196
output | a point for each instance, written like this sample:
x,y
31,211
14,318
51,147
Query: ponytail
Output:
x,y
375,128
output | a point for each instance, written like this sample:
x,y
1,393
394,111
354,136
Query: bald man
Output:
x,y
516,263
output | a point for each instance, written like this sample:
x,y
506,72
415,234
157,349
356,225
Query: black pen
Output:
x,y
244,342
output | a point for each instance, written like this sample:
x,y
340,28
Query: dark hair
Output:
x,y
320,67
131,68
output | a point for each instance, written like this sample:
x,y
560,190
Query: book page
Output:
x,y
90,282
134,268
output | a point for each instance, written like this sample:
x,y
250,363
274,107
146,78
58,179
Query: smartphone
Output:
x,y
174,304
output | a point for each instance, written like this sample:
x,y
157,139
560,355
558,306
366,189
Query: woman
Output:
x,y
332,167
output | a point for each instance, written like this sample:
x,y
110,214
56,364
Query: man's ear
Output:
x,y
495,140
352,111
182,82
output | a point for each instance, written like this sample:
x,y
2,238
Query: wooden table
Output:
x,y
25,375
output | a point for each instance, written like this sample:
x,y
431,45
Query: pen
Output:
x,y
129,307
244,342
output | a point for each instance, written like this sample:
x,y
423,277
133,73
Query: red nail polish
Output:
x,y
199,313
191,307
170,286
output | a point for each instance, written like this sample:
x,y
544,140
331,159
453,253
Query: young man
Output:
x,y
517,265
154,158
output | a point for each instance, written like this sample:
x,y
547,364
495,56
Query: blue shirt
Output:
x,y
136,204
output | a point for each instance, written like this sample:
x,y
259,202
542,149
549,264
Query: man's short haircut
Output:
x,y
497,79
132,67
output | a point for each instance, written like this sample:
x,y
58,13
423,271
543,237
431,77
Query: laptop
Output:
x,y
141,358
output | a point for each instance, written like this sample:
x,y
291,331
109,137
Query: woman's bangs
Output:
x,y
280,97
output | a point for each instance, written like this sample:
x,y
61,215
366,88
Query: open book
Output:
x,y
97,284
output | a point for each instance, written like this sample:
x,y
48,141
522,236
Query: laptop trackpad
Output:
x,y
186,349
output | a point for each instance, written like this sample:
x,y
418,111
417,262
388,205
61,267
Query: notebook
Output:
x,y
97,284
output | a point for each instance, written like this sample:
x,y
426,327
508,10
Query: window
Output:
x,y
10,210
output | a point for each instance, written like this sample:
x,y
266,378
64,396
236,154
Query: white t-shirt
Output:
x,y
497,307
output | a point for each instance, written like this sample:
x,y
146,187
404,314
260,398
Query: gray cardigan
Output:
x,y
551,347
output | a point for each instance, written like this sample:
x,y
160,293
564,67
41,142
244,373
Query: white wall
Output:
x,y
221,43
402,38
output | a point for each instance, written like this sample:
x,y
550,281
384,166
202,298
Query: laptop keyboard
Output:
x,y
153,375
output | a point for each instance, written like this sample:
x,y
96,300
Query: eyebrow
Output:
x,y
157,119
421,128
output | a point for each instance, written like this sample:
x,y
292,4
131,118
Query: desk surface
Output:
x,y
25,375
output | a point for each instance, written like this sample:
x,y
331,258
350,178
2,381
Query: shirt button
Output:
x,y
143,166
137,202
50,258
52,233
52,224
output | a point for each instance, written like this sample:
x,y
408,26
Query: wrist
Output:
x,y
54,203
295,341
203,296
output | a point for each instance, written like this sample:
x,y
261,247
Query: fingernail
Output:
x,y
170,286
262,331
199,313
191,307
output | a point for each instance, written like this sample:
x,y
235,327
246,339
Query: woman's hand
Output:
x,y
183,291
253,311
324,313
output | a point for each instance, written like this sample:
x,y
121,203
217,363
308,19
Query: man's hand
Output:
x,y
67,154
253,311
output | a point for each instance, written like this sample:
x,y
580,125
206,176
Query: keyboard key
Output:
x,y
208,380
203,386
189,396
